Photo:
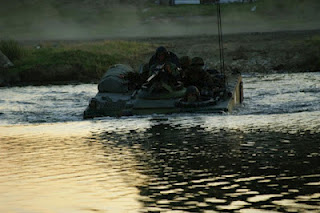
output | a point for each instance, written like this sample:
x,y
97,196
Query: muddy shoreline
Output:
x,y
263,52
260,52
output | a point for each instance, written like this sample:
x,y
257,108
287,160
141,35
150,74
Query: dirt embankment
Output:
x,y
272,52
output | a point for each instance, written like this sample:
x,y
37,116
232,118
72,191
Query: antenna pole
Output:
x,y
221,50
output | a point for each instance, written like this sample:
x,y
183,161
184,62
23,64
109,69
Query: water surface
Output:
x,y
262,158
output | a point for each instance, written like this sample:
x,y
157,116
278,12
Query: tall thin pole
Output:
x,y
221,50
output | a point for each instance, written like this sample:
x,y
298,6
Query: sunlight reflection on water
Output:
x,y
262,158
161,163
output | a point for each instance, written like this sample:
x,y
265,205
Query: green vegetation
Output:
x,y
85,62
12,49
311,57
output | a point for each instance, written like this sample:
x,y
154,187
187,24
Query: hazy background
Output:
x,y
90,19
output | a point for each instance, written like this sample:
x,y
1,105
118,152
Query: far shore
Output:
x,y
85,61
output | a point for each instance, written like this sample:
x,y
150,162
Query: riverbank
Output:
x,y
64,62
266,52
83,61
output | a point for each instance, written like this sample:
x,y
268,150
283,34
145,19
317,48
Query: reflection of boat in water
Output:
x,y
157,97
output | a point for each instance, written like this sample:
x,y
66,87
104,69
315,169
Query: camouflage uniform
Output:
x,y
185,63
196,76
169,67
170,62
170,74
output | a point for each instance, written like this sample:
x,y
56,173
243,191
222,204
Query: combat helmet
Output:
x,y
192,94
185,62
197,61
161,50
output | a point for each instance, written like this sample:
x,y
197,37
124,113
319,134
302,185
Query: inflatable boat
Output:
x,y
115,98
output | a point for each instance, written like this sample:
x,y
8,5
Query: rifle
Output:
x,y
156,71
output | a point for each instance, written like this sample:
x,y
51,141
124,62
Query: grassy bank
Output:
x,y
85,61
54,62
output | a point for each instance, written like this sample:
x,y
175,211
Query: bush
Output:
x,y
309,52
314,53
12,49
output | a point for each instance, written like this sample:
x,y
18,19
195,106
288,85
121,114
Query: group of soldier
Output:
x,y
190,71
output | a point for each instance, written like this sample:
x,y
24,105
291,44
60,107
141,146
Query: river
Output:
x,y
264,157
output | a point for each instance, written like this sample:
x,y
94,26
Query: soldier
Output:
x,y
192,94
167,72
185,63
167,62
196,76
162,56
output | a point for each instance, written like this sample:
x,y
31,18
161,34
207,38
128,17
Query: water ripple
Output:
x,y
244,162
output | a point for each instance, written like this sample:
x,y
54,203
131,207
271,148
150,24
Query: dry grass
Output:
x,y
85,61
12,49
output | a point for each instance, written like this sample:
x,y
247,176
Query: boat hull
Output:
x,y
131,103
